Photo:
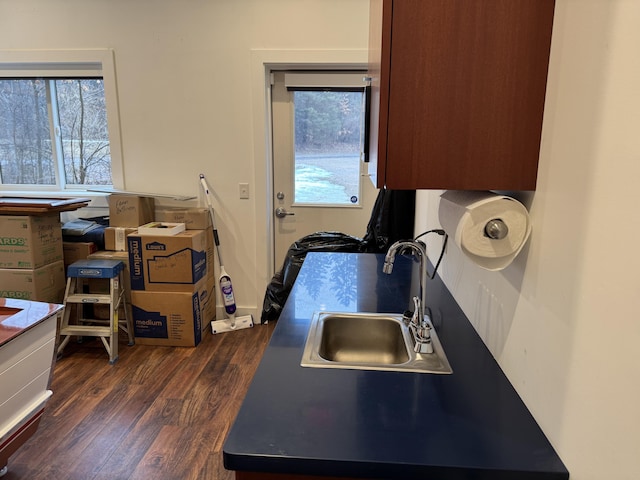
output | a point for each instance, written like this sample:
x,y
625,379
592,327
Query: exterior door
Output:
x,y
318,144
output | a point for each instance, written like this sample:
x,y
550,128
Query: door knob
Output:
x,y
281,212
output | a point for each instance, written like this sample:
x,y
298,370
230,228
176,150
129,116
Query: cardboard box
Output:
x,y
96,286
164,229
44,284
115,238
30,241
193,218
167,264
74,251
130,210
169,318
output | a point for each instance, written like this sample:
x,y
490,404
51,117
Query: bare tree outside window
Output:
x,y
49,125
25,138
83,130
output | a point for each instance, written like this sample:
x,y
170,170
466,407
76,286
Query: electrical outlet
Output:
x,y
243,188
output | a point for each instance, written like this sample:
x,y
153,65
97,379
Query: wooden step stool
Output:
x,y
78,273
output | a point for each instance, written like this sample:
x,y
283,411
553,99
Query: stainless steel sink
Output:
x,y
348,339
368,341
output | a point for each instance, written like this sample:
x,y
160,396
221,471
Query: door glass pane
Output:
x,y
328,141
83,131
25,140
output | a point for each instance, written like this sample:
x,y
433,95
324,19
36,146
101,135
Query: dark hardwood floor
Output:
x,y
158,413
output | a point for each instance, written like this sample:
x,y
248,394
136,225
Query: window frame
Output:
x,y
333,81
89,63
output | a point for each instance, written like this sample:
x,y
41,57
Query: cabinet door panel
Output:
x,y
466,93
379,67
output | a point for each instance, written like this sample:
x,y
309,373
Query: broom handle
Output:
x,y
207,196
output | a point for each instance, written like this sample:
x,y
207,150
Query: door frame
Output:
x,y
263,63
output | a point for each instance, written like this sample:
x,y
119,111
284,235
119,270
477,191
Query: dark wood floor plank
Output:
x,y
131,450
178,452
159,412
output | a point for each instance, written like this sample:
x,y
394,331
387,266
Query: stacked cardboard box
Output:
x,y
31,258
193,218
161,263
170,296
197,218
126,214
130,210
74,251
115,238
171,287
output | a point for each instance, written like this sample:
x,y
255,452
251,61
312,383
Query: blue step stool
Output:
x,y
96,268
78,273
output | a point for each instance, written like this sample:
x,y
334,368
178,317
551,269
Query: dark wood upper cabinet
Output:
x,y
458,90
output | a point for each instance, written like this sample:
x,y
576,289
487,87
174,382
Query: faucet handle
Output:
x,y
417,312
423,339
423,345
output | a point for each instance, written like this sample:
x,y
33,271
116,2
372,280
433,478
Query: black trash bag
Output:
x,y
282,282
391,220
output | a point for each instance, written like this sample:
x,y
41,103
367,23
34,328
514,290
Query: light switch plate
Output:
x,y
243,188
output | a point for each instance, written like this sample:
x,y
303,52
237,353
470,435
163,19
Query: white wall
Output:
x,y
560,320
186,80
563,319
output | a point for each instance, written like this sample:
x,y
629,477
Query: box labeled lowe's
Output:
x,y
30,241
168,318
44,284
167,264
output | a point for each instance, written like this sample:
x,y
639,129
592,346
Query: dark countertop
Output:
x,y
314,421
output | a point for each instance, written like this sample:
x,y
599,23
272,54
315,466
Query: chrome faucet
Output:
x,y
419,323
418,249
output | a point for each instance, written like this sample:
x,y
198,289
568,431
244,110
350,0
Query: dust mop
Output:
x,y
226,288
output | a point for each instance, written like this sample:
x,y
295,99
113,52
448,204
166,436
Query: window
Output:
x,y
329,137
52,128
56,123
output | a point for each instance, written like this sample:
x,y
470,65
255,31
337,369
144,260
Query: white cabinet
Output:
x,y
27,346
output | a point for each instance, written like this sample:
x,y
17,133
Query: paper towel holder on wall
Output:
x,y
489,228
496,229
